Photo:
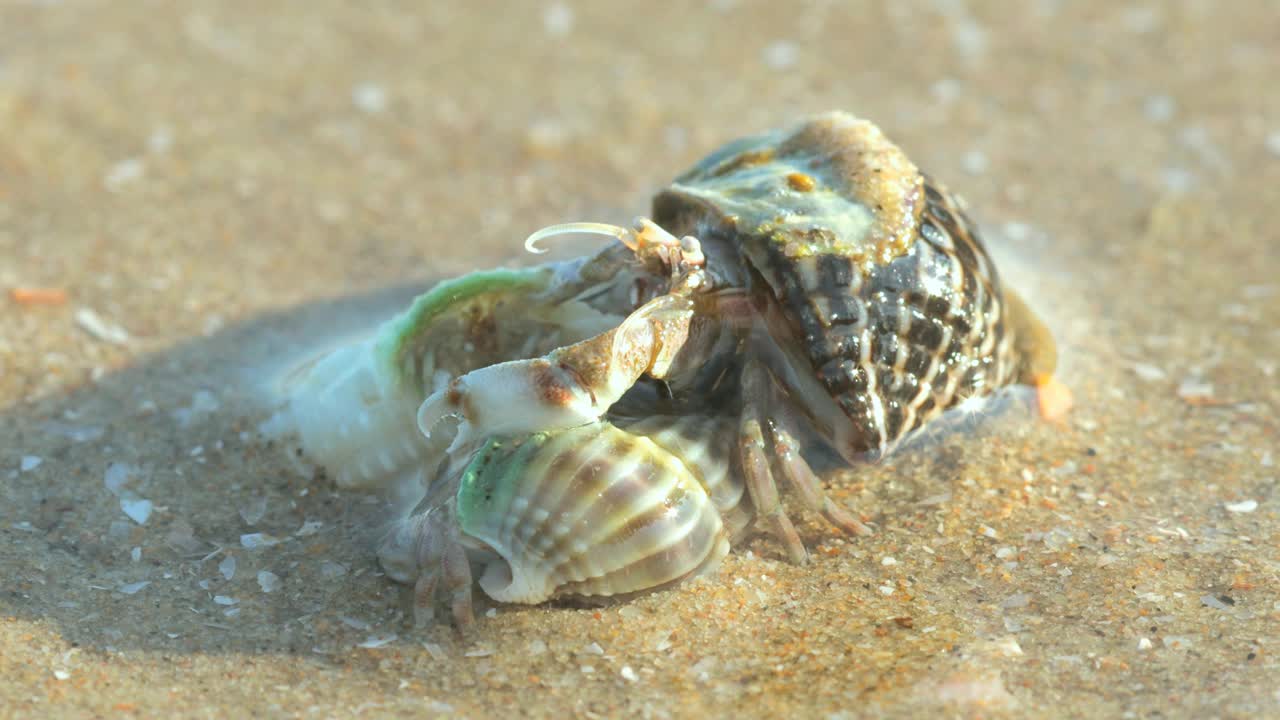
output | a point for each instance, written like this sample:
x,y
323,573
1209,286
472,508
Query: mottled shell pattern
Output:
x,y
887,296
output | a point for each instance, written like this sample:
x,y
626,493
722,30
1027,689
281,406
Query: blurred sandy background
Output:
x,y
191,193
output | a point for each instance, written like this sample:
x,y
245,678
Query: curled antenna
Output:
x,y
590,228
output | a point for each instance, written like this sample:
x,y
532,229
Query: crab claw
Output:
x,y
571,386
510,398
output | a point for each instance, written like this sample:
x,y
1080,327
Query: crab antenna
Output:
x,y
590,228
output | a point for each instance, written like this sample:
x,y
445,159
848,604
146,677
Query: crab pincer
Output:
x,y
577,384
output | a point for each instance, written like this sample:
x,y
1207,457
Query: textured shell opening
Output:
x,y
499,583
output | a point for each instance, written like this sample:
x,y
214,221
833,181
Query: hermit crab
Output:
x,y
807,284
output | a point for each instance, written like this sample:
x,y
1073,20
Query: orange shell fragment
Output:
x,y
38,296
1053,399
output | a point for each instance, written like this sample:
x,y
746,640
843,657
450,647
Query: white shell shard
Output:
x,y
354,408
352,416
590,511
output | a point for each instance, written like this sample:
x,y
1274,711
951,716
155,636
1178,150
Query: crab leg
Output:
x,y
439,561
571,386
764,490
457,581
801,477
781,453
430,539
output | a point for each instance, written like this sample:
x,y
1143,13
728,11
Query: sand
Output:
x,y
192,194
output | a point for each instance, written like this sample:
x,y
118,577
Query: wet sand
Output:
x,y
190,194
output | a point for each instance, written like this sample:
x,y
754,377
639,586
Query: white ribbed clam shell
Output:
x,y
705,446
592,511
352,416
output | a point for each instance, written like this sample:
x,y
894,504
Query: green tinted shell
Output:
x,y
589,511
834,185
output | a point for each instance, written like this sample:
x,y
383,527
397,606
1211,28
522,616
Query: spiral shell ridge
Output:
x,y
591,511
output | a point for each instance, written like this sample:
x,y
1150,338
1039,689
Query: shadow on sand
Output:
x,y
159,519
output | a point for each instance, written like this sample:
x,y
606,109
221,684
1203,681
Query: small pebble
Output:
x,y
975,162
546,138
434,650
1178,181
1159,108
353,622
628,674
309,527
946,90
1194,389
160,140
664,643
138,511
1213,602
377,641
268,581
1148,373
134,588
369,98
116,477
125,172
781,55
101,329
227,567
254,510
257,541
330,570
1019,600
29,463
224,600
1273,143
1144,644
203,403
1140,20
1244,506
557,19
701,670
1008,647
